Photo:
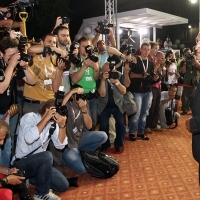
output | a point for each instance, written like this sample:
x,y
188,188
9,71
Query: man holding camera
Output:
x,y
168,101
48,74
7,175
35,131
141,77
12,68
87,74
78,139
110,101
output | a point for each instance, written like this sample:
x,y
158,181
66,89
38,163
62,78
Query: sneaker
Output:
x,y
148,130
49,196
163,125
156,129
119,150
127,129
143,136
132,137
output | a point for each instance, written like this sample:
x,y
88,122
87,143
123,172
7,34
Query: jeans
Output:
x,y
119,125
38,169
90,140
138,121
5,149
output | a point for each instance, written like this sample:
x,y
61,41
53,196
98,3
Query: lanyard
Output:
x,y
145,68
45,68
75,116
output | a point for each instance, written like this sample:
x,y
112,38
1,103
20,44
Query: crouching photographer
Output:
x,y
78,139
34,134
8,176
167,113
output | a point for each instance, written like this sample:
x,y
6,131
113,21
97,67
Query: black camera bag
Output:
x,y
99,165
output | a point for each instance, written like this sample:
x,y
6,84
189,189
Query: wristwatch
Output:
x,y
62,126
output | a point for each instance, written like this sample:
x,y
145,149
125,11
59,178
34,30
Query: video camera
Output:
x,y
22,189
103,27
62,110
89,50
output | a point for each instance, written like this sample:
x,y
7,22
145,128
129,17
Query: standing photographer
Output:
x,y
35,131
7,176
111,91
12,68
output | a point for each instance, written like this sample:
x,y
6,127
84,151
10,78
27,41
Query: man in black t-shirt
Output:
x,y
13,68
141,78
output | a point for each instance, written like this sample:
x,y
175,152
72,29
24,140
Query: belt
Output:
x,y
32,101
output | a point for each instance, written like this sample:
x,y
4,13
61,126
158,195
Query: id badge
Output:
x,y
75,129
47,82
88,78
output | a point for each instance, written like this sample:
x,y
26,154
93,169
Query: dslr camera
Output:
x,y
65,20
149,78
62,110
72,57
22,189
112,74
91,95
91,55
188,59
103,27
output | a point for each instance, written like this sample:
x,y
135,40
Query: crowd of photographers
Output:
x,y
69,94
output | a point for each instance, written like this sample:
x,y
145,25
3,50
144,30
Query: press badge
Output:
x,y
75,130
88,78
47,82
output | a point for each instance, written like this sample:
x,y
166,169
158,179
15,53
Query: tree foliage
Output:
x,y
42,18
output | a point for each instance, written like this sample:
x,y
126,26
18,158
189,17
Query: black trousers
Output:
x,y
152,118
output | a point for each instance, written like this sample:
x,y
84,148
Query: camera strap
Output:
x,y
145,68
75,116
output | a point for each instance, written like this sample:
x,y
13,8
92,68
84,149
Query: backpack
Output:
x,y
99,165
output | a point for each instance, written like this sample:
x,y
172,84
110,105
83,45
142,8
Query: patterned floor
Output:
x,y
159,169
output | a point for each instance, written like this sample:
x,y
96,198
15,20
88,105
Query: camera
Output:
x,y
129,48
25,57
103,27
91,54
91,95
81,96
62,110
112,74
65,20
22,189
149,78
72,57
22,43
188,59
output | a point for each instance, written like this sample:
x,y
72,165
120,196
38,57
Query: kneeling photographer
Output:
x,y
34,134
8,176
110,101
78,139
167,113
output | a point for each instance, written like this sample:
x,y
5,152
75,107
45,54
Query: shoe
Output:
x,y
163,125
132,137
103,149
184,113
143,136
156,129
49,196
148,130
119,150
127,129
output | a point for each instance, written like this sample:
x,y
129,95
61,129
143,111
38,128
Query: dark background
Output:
x,y
43,17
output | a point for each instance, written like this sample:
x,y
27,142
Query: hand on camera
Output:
x,y
114,81
155,77
58,21
50,113
15,180
82,104
59,119
60,64
14,59
78,90
105,76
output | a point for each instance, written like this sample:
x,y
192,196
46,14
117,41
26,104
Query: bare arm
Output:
x,y
127,80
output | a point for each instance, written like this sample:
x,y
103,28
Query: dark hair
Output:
x,y
186,49
47,104
59,28
8,42
83,39
48,34
173,86
168,53
76,86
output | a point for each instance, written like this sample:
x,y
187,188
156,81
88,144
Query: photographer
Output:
x,y
7,176
111,92
49,76
168,101
13,68
78,139
142,75
35,131
168,44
